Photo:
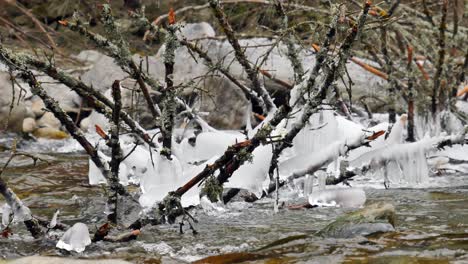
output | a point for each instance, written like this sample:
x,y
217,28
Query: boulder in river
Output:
x,y
375,218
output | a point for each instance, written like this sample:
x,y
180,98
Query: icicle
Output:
x,y
248,122
322,178
53,222
321,130
276,209
396,135
308,185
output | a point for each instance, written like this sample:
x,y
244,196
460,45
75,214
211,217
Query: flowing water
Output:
x,y
432,223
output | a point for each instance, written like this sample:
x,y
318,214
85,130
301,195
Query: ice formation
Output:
x,y
400,163
6,211
209,207
321,130
346,198
95,176
75,239
252,174
209,144
53,222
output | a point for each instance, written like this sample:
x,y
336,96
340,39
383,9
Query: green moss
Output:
x,y
212,189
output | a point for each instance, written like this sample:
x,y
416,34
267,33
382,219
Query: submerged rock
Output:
x,y
374,218
75,239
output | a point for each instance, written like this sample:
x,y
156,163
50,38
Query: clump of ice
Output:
x,y
6,211
75,239
211,208
53,222
346,198
252,174
159,180
208,144
321,130
95,176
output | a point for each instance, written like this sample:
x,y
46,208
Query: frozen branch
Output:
x,y
169,102
20,210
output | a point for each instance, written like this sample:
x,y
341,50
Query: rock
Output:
x,y
29,125
11,120
104,71
68,100
49,120
224,103
29,111
50,133
196,30
374,218
38,107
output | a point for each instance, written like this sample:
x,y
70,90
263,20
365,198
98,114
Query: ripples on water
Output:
x,y
432,223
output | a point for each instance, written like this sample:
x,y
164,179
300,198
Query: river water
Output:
x,y
431,227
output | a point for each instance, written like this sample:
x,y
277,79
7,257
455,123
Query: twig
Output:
x,y
169,93
292,51
35,21
440,59
99,101
54,107
241,58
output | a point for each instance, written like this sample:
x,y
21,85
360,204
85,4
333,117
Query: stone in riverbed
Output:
x,y
38,108
374,218
50,133
29,125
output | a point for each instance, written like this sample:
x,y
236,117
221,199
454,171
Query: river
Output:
x,y
431,227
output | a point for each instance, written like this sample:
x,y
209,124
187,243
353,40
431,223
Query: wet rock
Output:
x,y
50,133
238,195
375,218
29,125
48,120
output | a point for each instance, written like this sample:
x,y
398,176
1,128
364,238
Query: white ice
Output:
x,y
340,197
75,239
